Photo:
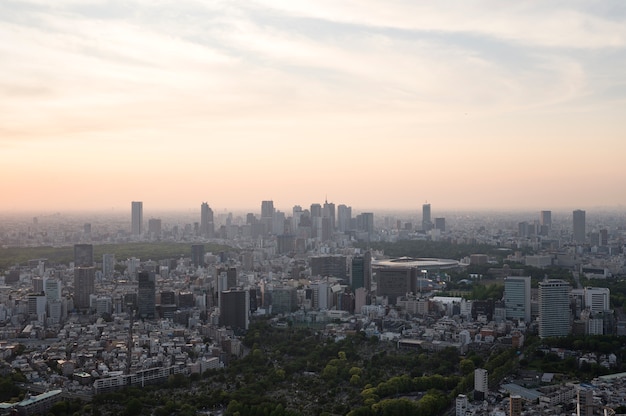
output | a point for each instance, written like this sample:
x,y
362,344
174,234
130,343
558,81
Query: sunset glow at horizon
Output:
x,y
481,105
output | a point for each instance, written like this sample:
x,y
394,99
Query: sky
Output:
x,y
467,105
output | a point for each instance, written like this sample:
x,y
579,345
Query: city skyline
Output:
x,y
486,105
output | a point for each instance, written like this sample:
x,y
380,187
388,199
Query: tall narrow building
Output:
x,y
361,272
579,226
207,227
146,295
517,297
427,225
136,218
84,286
554,308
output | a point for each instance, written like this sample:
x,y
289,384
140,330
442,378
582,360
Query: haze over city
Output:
x,y
487,105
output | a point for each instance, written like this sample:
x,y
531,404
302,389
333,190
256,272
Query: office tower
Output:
x,y
207,226
83,255
426,222
37,285
231,277
284,300
579,226
515,405
361,273
136,218
517,297
545,218
327,229
316,210
197,255
146,295
328,211
365,222
604,237
52,289
597,299
344,218
235,309
278,223
554,312
154,227
396,281
329,266
440,224
267,216
461,405
481,384
37,305
108,266
84,286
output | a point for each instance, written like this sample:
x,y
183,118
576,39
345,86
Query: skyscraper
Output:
x,y
426,221
136,218
197,255
344,217
83,255
554,312
146,295
207,227
579,226
545,218
361,273
84,286
517,297
235,309
328,211
481,383
108,266
440,224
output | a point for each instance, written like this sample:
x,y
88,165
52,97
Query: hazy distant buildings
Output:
x,y
440,224
545,220
108,266
136,226
517,298
207,225
579,226
267,216
83,255
84,286
427,225
146,295
154,227
554,308
344,218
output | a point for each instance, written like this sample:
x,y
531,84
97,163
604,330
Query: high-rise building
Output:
x,y
146,295
84,286
136,218
83,255
461,405
344,217
517,297
579,226
361,273
481,383
207,226
108,266
197,255
554,308
440,224
267,216
329,266
328,211
426,221
316,210
52,289
545,218
154,227
235,309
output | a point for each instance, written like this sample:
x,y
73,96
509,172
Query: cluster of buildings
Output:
x,y
98,324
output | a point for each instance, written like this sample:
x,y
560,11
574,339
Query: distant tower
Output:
x,y
154,227
146,294
267,216
554,308
440,224
197,255
108,266
426,222
83,255
136,218
545,222
84,286
579,226
328,211
517,297
344,217
207,226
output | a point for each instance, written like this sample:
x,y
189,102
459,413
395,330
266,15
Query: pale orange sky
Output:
x,y
467,105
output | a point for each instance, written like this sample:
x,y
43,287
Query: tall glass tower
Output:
x,y
554,310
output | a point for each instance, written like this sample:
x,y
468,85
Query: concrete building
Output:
x,y
235,309
579,226
83,255
146,295
84,286
481,383
517,298
554,308
136,226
